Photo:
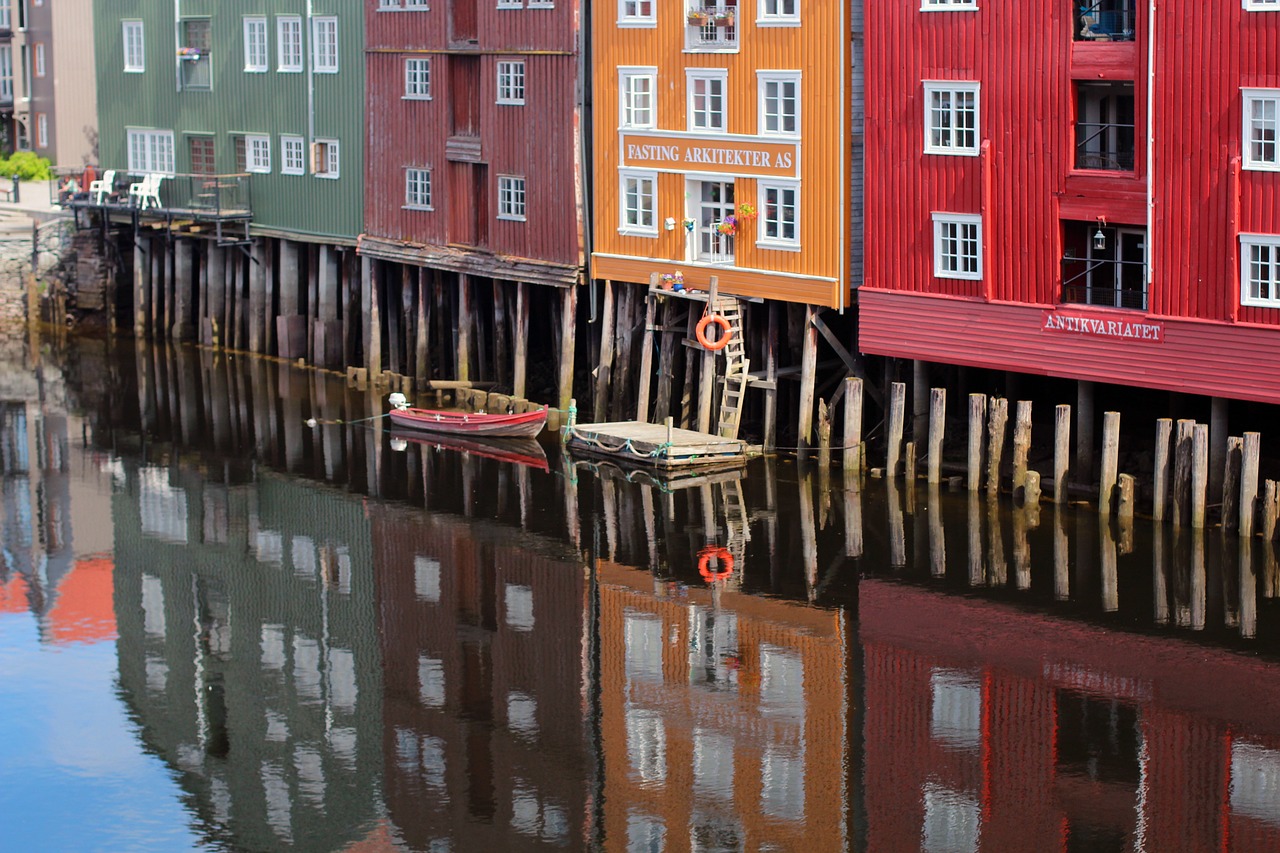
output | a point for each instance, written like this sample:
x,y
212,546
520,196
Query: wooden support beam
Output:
x,y
1061,452
997,420
808,377
600,405
1249,461
897,414
568,331
937,426
646,356
1021,444
852,438
977,420
520,371
1110,460
1160,479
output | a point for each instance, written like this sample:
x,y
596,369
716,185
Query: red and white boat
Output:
x,y
478,424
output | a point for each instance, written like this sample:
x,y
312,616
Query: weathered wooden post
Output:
x,y
1249,483
605,367
1182,456
897,405
1110,460
1124,516
937,422
977,418
997,420
824,437
1160,477
1021,443
1231,483
1199,473
1061,452
852,456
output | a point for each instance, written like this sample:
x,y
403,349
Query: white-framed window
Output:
x,y
1262,5
773,13
389,5
948,5
256,56
707,98
511,197
779,214
418,5
510,4
950,117
710,204
1261,129
42,130
257,153
324,159
541,4
40,59
779,103
957,245
6,17
417,79
1260,270
511,81
6,72
289,43
417,188
637,13
324,45
636,88
637,203
292,157
150,151
135,59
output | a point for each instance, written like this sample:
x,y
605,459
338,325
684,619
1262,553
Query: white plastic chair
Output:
x,y
146,193
103,187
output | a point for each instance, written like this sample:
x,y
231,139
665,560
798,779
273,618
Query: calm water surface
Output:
x,y
223,630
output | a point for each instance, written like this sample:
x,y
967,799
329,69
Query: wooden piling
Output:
x,y
851,457
1199,473
997,420
1110,460
1160,477
1231,483
600,409
1249,461
1270,509
422,326
520,370
1021,443
824,436
1184,437
646,359
258,273
977,418
909,469
897,407
568,313
141,287
465,322
1061,451
937,423
771,383
1127,487
808,376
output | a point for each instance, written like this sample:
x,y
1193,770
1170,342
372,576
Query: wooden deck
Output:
x,y
656,446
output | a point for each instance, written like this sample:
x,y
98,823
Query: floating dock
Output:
x,y
657,446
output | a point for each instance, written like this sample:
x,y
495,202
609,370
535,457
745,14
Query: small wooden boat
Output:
x,y
477,424
516,451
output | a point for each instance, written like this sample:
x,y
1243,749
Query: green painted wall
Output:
x,y
311,104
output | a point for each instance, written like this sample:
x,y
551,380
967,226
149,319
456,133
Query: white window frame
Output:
x,y
763,79
708,75
257,153
631,13
331,169
1262,5
512,208
510,4
511,90
149,151
952,87
948,5
627,76
1248,242
40,59
943,221
772,13
540,4
763,239
422,176
417,83
289,47
324,44
134,63
1248,98
417,6
293,155
42,130
638,229
257,51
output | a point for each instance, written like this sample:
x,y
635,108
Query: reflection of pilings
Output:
x,y
1061,557
1159,585
852,515
1107,565
1199,587
937,534
808,535
977,575
998,569
1248,591
897,528
609,496
1021,551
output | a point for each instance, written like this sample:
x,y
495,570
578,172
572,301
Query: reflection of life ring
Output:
x,y
706,342
704,563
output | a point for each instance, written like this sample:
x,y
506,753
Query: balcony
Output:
x,y
712,27
1104,20
1104,265
180,200
1104,127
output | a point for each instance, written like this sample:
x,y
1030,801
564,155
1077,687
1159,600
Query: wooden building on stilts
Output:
x,y
727,184
475,193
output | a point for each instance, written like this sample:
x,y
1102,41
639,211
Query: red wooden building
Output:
x,y
474,178
1087,189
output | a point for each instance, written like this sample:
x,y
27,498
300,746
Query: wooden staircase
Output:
x,y
737,370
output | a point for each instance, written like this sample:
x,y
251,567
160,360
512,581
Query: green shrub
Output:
x,y
27,166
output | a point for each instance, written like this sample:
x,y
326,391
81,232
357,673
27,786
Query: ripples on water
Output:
x,y
221,629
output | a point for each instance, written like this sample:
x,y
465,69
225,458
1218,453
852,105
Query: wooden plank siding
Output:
x,y
537,140
1028,190
819,271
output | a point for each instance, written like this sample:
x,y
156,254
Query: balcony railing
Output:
x,y
1107,283
1104,146
1104,20
189,196
716,247
712,27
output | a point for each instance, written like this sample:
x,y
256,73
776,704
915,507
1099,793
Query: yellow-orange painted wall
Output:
x,y
818,273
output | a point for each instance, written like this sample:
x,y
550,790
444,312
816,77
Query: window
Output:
x,y
510,4
39,60
1262,5
417,188
291,156
196,65
1261,125
324,158
712,25
948,5
638,203
542,4
636,13
324,45
134,57
289,43
636,88
257,153
384,5
417,79
957,245
6,20
511,82
1104,126
779,103
6,72
712,204
255,45
779,227
706,99
150,151
420,5
951,118
1260,270
775,12
200,155
1105,20
510,197
42,130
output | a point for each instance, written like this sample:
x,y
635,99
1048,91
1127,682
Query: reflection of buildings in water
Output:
x,y
483,647
723,718
995,729
247,652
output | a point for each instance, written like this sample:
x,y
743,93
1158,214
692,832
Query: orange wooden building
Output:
x,y
720,136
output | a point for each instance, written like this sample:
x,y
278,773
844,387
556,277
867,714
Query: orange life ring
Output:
x,y
704,563
716,345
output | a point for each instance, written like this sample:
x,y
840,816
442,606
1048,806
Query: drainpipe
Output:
x,y
308,49
1151,172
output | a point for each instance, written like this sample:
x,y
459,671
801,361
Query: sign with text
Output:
x,y
748,157
1079,323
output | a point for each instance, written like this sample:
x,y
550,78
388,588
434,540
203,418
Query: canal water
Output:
x,y
222,628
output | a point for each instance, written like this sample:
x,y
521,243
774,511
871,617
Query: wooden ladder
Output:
x,y
737,370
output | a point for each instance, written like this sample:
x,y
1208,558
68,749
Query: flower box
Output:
x,y
724,20
697,17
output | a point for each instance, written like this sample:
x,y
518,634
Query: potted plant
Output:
x,y
728,225
724,18
191,53
746,211
697,17
671,279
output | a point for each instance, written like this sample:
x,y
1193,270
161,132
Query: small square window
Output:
x,y
257,153
511,82
511,197
324,158
951,117
417,188
957,246
292,156
779,103
1260,270
779,215
638,203
1262,129
707,99
773,12
417,79
636,88
636,13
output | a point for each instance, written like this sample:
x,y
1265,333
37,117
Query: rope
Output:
x,y
313,422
